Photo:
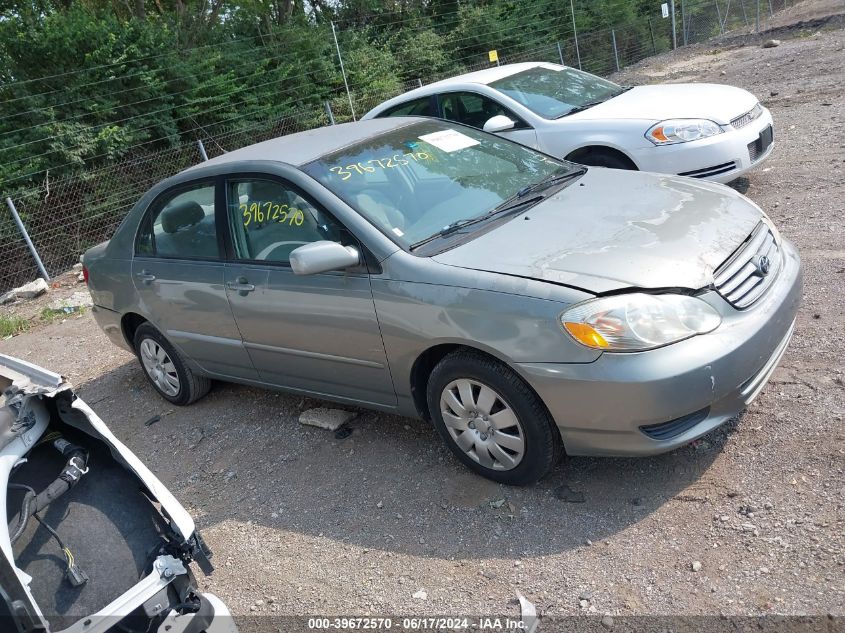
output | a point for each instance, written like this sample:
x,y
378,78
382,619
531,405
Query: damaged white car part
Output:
x,y
91,538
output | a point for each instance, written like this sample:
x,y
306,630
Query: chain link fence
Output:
x,y
67,216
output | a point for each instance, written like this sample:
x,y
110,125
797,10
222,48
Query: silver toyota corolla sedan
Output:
x,y
526,305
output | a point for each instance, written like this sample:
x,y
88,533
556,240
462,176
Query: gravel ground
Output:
x,y
303,523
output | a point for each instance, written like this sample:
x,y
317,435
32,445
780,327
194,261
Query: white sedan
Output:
x,y
705,131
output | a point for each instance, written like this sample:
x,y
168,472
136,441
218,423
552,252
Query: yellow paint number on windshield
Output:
x,y
258,213
370,166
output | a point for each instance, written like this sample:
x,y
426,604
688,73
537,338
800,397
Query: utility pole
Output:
x,y
343,72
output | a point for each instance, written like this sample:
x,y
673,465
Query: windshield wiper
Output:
x,y
448,230
581,108
595,102
542,185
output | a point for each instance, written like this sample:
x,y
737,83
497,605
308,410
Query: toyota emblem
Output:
x,y
763,265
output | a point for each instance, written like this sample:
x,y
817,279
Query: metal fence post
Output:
x,y
329,112
719,17
419,81
771,10
683,23
615,50
343,72
651,30
575,33
560,53
674,33
758,16
26,239
744,15
201,148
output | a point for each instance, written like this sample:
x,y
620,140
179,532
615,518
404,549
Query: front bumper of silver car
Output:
x,y
652,402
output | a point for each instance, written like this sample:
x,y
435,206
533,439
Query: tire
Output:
x,y
488,419
601,158
165,368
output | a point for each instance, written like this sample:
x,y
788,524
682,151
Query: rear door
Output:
x,y
475,109
178,273
315,333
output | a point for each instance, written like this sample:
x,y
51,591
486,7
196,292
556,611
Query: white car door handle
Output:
x,y
145,277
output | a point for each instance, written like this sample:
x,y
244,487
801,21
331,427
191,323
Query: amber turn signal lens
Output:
x,y
585,334
658,134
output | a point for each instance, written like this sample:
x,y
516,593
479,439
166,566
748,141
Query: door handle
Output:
x,y
242,286
146,277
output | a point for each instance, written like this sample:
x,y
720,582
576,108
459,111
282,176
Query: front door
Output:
x,y
313,333
178,273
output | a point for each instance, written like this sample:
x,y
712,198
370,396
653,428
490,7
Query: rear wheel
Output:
x,y
491,419
165,368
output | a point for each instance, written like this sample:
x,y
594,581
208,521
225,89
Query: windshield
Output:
x,y
414,181
555,92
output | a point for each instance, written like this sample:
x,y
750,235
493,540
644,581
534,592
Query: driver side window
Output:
x,y
269,219
474,109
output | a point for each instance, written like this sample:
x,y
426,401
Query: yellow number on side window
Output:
x,y
247,214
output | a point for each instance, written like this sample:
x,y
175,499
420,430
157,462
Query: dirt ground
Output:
x,y
303,523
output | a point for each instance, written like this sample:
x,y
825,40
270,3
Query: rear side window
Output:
x,y
417,107
181,224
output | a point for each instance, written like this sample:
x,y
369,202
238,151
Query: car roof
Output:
x,y
484,77
489,75
302,147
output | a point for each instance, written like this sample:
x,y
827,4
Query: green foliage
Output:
x,y
86,83
12,324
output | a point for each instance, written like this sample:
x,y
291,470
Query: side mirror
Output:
x,y
321,257
498,123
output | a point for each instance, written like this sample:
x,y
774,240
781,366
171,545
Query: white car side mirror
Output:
x,y
498,123
323,256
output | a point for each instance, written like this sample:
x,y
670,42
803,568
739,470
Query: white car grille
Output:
x,y
744,119
751,270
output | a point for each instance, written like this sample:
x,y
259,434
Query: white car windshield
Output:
x,y
556,92
419,180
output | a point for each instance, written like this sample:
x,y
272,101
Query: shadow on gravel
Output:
x,y
241,455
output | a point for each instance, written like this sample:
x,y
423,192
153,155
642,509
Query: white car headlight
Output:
x,y
682,131
637,322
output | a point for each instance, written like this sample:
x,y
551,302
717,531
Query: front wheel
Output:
x,y
165,369
602,158
492,420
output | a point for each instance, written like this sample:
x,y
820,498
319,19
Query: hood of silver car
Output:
x,y
616,229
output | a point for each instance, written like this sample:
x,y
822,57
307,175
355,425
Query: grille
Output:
x,y
751,270
673,428
758,148
744,119
715,170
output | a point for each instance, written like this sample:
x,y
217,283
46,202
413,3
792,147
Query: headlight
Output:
x,y
682,131
636,322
